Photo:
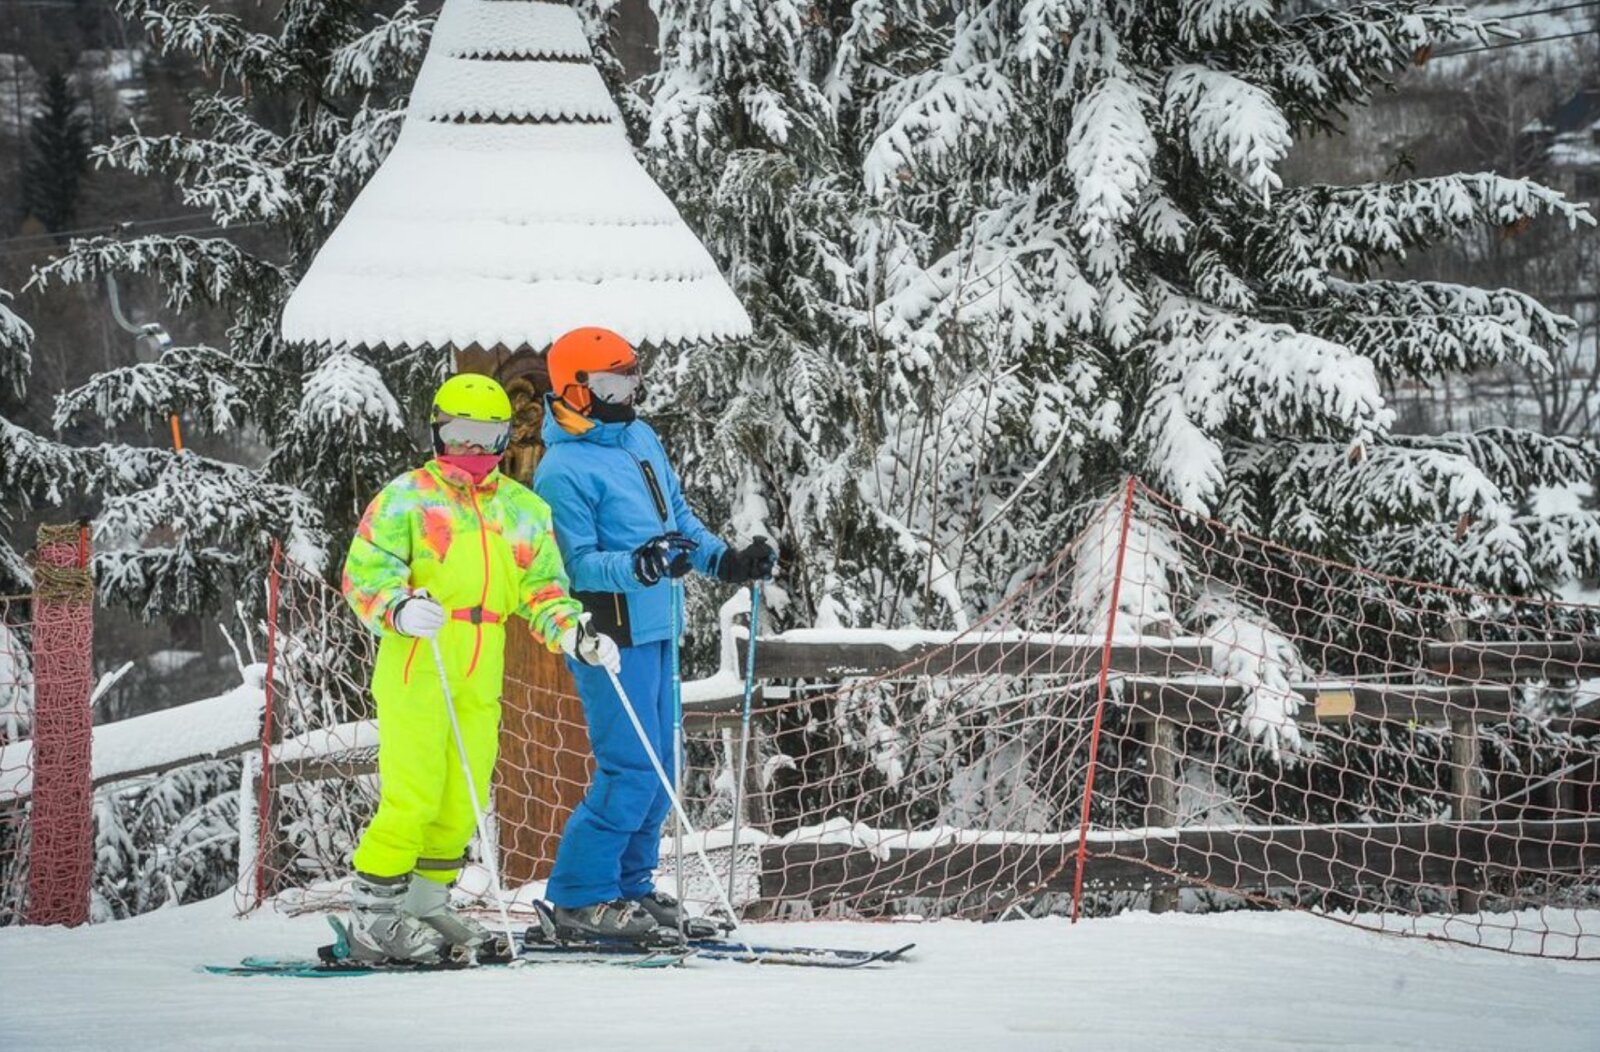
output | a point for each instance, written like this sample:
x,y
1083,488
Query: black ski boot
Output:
x,y
664,908
620,921
669,914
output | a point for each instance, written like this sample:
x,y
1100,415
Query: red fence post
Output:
x,y
1100,700
61,857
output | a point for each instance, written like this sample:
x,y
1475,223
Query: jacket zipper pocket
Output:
x,y
656,496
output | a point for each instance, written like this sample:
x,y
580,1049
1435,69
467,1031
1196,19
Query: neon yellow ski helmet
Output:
x,y
472,396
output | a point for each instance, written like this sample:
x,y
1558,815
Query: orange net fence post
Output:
x,y
1100,691
61,826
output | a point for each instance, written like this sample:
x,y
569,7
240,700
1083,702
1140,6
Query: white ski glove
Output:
x,y
419,616
582,643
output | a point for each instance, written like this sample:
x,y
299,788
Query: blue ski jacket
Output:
x,y
611,489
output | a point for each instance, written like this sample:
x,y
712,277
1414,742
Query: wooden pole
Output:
x,y
1469,805
1162,811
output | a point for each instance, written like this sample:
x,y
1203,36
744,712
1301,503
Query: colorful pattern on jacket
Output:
x,y
486,547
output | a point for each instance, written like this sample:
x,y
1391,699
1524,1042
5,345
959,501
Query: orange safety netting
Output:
x,y
1169,715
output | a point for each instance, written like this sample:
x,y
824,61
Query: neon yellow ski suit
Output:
x,y
485,553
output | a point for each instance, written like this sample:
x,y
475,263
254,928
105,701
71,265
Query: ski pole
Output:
x,y
676,589
489,855
677,802
744,733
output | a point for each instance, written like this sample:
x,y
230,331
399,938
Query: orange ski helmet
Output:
x,y
581,352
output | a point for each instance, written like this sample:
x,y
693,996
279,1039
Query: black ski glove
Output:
x,y
663,556
754,562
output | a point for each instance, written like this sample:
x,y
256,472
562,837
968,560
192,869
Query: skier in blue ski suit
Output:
x,y
625,532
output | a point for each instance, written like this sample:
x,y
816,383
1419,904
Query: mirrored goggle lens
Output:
x,y
616,386
485,435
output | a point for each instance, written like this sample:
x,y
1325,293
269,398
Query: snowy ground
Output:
x,y
1238,982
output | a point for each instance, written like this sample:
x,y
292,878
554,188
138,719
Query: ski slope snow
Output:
x,y
1233,981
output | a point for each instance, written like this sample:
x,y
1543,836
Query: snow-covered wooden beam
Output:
x,y
836,653
1512,659
1212,699
230,725
1436,854
511,209
214,729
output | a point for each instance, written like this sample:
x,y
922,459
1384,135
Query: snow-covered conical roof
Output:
x,y
511,209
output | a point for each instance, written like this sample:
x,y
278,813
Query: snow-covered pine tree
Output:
x,y
306,105
16,341
57,155
165,840
1000,254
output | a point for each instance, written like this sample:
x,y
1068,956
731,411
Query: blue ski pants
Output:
x,y
612,842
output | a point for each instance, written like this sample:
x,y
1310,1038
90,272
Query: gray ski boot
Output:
x,y
381,929
429,902
623,920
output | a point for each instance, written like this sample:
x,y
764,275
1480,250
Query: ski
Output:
x,y
794,956
335,960
313,968
536,945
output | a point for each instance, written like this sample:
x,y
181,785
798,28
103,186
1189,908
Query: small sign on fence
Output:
x,y
1336,704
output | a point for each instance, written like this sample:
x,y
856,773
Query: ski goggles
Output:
x,y
491,436
616,386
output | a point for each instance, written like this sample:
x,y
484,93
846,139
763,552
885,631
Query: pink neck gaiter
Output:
x,y
476,465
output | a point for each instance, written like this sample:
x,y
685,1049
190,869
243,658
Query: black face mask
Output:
x,y
609,413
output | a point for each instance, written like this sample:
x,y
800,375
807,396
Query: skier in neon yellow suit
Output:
x,y
480,546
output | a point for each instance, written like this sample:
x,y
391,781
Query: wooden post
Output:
x,y
1162,812
756,814
544,763
1469,805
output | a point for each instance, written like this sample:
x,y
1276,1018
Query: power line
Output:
x,y
1548,11
211,228
104,228
1516,43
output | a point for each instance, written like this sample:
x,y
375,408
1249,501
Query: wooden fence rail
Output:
x,y
1440,854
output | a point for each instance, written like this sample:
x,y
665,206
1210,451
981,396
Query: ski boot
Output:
x,y
380,929
669,914
622,920
429,902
